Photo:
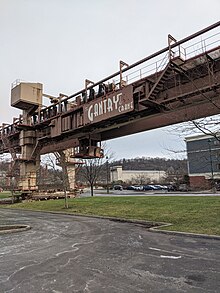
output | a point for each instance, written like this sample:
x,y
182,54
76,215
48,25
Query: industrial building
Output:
x,y
136,176
203,153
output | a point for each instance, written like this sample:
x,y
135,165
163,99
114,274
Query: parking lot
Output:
x,y
64,253
124,192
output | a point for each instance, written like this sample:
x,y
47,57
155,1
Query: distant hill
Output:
x,y
146,163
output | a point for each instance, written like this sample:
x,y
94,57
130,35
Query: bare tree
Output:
x,y
4,165
176,176
61,158
9,174
53,161
93,169
140,179
207,125
62,162
53,171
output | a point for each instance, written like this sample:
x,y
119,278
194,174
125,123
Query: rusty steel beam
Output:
x,y
183,114
55,146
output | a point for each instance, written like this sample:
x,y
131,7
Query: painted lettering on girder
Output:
x,y
107,107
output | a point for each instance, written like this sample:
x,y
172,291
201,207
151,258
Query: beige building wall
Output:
x,y
132,176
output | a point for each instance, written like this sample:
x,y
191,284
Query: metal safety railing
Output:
x,y
186,48
190,49
10,129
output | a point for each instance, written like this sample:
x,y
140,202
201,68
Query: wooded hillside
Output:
x,y
146,163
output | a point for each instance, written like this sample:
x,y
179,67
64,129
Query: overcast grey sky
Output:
x,y
60,43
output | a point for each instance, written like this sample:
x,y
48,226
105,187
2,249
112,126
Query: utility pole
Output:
x,y
107,174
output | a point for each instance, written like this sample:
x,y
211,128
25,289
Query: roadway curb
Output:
x,y
146,224
188,234
6,229
157,226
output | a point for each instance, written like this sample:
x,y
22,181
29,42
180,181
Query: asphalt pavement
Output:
x,y
103,192
64,253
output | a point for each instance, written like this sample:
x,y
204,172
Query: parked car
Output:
x,y
130,187
171,187
138,187
149,187
135,187
117,187
161,187
183,187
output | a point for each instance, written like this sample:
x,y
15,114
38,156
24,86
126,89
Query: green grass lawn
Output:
x,y
5,194
197,214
